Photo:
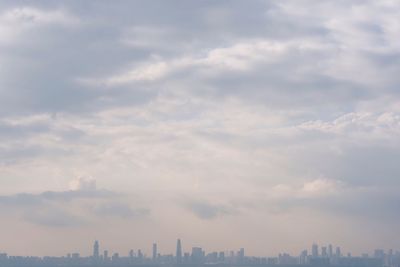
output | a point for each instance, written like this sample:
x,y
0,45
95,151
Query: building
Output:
x,y
178,252
324,252
338,252
154,252
96,253
314,251
240,256
197,255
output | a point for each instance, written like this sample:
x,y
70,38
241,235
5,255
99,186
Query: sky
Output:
x,y
267,125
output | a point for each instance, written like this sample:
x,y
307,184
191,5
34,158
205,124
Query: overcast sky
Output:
x,y
267,125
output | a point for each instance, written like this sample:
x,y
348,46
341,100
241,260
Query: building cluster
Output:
x,y
316,257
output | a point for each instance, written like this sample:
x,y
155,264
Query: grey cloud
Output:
x,y
84,194
359,164
68,208
208,210
26,126
19,152
372,205
118,209
53,89
53,217
20,138
43,209
26,199
7,130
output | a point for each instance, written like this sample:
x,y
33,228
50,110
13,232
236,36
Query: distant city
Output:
x,y
315,257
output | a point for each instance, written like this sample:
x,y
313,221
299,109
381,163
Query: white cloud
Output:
x,y
370,125
241,56
31,16
15,23
321,187
318,188
83,183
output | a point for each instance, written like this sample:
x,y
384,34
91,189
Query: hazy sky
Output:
x,y
267,125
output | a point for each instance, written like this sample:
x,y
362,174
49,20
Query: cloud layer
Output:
x,y
73,208
220,113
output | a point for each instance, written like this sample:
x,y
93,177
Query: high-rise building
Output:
x,y
338,252
221,256
330,251
186,257
178,252
303,257
115,257
154,252
379,253
96,253
324,252
140,255
197,255
314,251
389,258
240,255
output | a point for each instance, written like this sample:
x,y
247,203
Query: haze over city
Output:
x,y
264,125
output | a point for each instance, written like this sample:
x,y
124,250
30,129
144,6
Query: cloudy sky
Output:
x,y
260,124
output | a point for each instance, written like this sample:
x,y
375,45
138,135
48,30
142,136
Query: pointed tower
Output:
x,y
96,254
178,252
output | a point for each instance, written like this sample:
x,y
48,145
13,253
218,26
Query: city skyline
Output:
x,y
198,256
315,250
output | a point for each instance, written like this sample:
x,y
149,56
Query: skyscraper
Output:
x,y
140,256
314,251
303,257
338,252
324,252
330,251
221,256
197,255
178,252
96,250
154,252
240,255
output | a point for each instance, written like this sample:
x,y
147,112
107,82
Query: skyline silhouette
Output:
x,y
154,254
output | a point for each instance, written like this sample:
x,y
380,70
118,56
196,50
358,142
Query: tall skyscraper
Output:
x,y
154,252
338,252
303,257
330,251
178,252
140,256
324,252
96,250
240,254
314,251
389,258
221,256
